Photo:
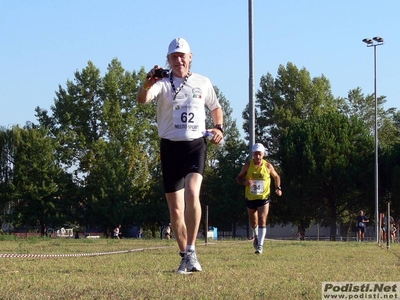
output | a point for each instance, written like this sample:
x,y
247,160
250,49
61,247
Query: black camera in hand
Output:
x,y
161,73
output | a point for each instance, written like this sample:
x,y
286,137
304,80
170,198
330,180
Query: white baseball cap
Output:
x,y
178,45
258,147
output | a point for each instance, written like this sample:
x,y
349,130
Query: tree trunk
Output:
x,y
234,230
301,232
349,230
332,207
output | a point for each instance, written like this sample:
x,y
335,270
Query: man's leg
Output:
x,y
193,208
253,220
192,219
253,217
262,226
176,206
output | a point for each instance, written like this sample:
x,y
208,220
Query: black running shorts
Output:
x,y
253,204
178,159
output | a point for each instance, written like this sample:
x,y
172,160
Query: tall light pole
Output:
x,y
252,116
374,42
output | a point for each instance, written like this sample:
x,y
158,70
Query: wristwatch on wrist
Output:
x,y
219,127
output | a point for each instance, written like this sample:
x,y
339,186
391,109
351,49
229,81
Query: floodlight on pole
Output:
x,y
368,41
374,42
378,39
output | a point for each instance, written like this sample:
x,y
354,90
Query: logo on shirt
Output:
x,y
197,93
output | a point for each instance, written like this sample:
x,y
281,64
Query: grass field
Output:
x,y
144,269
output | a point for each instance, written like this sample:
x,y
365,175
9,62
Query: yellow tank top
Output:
x,y
260,174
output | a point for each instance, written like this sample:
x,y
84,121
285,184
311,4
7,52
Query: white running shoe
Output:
x,y
192,264
182,267
259,250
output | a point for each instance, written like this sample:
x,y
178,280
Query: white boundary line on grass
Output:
x,y
12,255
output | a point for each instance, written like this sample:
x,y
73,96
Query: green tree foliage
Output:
x,y
94,156
105,140
6,171
356,104
292,96
220,191
281,102
396,120
389,178
363,107
36,176
326,159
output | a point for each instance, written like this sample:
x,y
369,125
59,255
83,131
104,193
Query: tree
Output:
x,y
356,104
291,97
6,171
323,158
105,139
219,190
281,102
36,176
389,178
229,195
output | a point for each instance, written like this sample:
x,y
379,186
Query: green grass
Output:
x,y
145,269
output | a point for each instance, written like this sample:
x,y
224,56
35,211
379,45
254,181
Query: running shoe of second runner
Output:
x,y
255,242
259,250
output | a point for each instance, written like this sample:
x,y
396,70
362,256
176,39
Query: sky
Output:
x,y
43,43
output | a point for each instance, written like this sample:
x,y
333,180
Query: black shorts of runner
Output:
x,y
254,204
178,159
361,229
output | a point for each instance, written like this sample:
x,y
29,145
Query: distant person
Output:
x,y
361,220
393,230
44,230
182,97
256,176
168,231
140,233
117,231
383,221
